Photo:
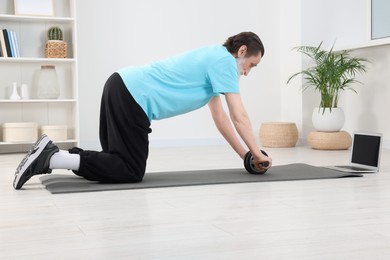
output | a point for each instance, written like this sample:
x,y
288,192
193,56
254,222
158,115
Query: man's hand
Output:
x,y
259,158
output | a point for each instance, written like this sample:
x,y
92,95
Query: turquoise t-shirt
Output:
x,y
182,83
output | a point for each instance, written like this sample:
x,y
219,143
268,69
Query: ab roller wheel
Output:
x,y
250,166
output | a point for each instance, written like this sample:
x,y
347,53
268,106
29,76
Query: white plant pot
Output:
x,y
328,120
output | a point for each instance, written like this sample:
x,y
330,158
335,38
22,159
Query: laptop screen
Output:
x,y
366,149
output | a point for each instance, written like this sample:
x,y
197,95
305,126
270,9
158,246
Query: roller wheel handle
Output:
x,y
250,166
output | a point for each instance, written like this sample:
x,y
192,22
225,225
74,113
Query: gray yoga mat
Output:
x,y
64,183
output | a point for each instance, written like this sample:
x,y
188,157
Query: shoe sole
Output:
x,y
23,168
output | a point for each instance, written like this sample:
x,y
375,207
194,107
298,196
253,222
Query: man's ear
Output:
x,y
242,51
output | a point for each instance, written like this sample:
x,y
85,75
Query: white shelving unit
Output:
x,y
31,35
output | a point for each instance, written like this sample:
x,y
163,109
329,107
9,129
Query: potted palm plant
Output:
x,y
332,73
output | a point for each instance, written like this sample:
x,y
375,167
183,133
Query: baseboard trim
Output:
x,y
187,142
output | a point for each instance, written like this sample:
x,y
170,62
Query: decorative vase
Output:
x,y
328,120
48,86
14,94
25,91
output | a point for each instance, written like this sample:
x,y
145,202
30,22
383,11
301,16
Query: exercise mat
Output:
x,y
64,183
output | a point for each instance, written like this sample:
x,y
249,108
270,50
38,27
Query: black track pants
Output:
x,y
124,129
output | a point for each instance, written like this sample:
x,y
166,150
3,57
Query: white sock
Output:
x,y
65,160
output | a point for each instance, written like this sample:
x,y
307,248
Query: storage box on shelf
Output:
x,y
31,36
55,132
20,132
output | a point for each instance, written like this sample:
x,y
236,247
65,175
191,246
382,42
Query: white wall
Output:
x,y
119,33
344,22
348,22
369,109
290,62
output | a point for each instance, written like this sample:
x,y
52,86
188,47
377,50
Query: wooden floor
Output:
x,y
319,219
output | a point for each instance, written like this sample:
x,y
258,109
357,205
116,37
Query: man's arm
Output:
x,y
242,124
224,126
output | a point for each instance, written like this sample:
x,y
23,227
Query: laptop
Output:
x,y
365,154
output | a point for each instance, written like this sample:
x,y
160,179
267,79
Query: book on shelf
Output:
x,y
8,44
2,45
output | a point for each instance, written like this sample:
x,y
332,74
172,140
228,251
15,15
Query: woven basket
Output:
x,y
278,134
55,49
329,140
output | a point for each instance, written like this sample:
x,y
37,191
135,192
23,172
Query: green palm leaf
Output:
x,y
332,72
